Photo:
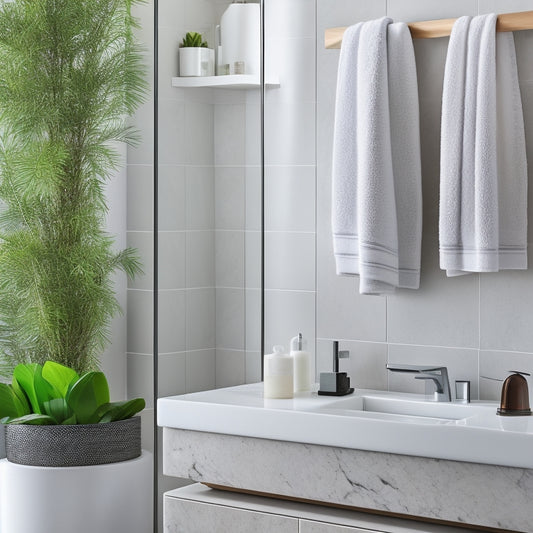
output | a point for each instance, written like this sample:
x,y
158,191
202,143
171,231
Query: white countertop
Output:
x,y
366,420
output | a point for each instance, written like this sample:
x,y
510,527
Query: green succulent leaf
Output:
x,y
10,405
86,395
36,388
23,399
34,419
58,409
59,376
193,39
70,421
115,411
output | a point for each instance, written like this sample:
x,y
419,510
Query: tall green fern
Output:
x,y
70,75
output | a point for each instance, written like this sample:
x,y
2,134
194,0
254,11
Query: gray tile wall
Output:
x,y
476,324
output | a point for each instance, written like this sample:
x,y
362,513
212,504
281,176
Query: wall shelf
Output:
x,y
236,81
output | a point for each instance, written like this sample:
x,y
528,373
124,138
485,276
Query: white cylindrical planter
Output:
x,y
86,499
197,61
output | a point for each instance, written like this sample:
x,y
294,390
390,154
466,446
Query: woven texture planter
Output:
x,y
77,445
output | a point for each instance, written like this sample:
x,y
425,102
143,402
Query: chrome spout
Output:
x,y
438,375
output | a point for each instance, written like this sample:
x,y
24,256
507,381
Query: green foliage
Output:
x,y
83,400
70,75
193,40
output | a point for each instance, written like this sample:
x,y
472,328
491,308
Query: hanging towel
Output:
x,y
377,194
483,181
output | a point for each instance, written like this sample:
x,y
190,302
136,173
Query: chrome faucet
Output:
x,y
435,374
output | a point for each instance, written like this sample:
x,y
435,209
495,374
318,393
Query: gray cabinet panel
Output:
x,y
311,526
182,516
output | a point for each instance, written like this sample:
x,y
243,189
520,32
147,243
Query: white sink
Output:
x,y
366,420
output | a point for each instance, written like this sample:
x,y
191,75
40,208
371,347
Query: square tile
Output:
x,y
290,198
252,265
253,367
171,328
200,259
252,319
229,198
171,198
140,212
230,318
140,318
198,133
172,374
296,18
229,258
200,197
413,10
171,251
290,261
253,203
230,124
201,368
140,377
230,368
200,319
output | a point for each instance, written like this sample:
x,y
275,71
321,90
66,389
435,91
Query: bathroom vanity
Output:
x,y
389,453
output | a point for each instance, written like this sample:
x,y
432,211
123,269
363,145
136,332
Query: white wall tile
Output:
x,y
293,62
252,259
252,320
413,10
140,212
140,317
140,377
171,251
442,312
172,196
230,367
200,320
200,197
171,13
143,152
295,18
253,198
290,261
198,133
462,364
230,123
253,367
229,198
290,198
200,259
167,67
230,304
229,258
200,370
252,128
172,374
290,133
171,327
524,44
504,6
172,149
506,311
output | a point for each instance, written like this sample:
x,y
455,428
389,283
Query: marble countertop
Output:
x,y
369,420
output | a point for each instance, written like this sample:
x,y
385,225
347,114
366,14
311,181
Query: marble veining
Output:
x,y
467,493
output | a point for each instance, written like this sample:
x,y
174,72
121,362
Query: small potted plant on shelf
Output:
x,y
196,58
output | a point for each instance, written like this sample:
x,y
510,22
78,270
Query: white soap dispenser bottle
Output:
x,y
302,364
278,374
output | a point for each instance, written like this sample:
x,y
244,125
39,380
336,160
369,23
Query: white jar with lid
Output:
x,y
278,374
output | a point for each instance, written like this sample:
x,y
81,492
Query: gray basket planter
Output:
x,y
77,445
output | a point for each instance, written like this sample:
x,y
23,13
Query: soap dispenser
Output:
x,y
335,383
278,373
515,395
302,364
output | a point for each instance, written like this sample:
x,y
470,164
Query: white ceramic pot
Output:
x,y
197,61
111,498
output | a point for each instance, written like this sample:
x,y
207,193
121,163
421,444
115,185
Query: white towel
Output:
x,y
377,196
483,182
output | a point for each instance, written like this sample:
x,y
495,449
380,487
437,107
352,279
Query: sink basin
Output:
x,y
433,412
366,420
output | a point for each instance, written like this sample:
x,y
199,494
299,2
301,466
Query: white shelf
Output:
x,y
235,81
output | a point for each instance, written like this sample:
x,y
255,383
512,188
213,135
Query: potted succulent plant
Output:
x,y
195,58
56,417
